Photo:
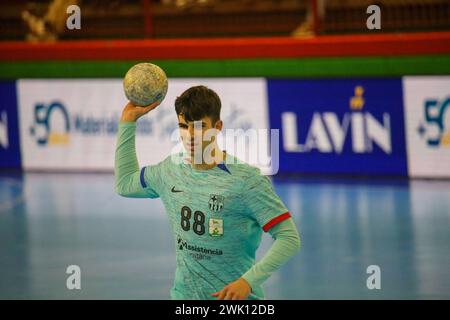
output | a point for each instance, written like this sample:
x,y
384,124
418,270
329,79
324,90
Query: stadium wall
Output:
x,y
377,116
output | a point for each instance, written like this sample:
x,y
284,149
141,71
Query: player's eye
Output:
x,y
182,126
203,125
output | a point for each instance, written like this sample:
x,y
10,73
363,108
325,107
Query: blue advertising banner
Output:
x,y
9,132
339,126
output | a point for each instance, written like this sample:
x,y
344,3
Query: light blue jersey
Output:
x,y
217,217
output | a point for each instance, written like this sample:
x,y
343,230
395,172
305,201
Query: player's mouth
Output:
x,y
191,146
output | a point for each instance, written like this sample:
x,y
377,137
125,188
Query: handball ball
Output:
x,y
145,83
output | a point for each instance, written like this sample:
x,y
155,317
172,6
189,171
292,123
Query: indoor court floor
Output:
x,y
125,249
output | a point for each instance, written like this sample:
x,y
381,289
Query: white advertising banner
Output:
x,y
427,118
72,124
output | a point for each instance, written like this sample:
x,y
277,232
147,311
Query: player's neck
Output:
x,y
217,156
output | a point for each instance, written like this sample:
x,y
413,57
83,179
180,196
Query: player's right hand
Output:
x,y
131,112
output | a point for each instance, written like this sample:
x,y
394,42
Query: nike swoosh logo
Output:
x,y
173,190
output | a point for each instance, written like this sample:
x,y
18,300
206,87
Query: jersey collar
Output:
x,y
187,160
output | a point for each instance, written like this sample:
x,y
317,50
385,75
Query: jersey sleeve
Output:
x,y
262,203
129,180
151,179
287,243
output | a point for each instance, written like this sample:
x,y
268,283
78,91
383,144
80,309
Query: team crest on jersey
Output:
x,y
216,202
216,227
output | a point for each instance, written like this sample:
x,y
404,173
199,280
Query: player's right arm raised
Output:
x,y
126,167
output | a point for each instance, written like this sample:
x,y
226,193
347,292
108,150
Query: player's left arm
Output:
x,y
286,244
267,208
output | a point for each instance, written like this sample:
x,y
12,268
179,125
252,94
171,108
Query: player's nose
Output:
x,y
191,131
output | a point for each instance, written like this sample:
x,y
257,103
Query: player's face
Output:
x,y
197,135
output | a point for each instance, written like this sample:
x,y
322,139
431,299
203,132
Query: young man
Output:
x,y
217,205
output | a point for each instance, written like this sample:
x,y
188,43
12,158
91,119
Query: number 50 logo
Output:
x,y
437,130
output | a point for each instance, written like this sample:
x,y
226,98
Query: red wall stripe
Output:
x,y
236,48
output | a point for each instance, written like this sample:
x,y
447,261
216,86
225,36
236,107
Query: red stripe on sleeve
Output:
x,y
276,220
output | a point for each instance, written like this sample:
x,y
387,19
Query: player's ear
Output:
x,y
218,125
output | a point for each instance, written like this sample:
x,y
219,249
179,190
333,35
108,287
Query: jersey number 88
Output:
x,y
199,220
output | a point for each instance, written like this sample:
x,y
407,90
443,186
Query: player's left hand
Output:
x,y
237,290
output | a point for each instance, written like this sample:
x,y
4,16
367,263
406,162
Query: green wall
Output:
x,y
306,67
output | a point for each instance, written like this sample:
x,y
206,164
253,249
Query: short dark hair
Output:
x,y
198,102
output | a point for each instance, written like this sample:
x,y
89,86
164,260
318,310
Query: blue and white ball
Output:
x,y
145,83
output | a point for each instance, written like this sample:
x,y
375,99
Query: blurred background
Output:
x,y
357,92
225,18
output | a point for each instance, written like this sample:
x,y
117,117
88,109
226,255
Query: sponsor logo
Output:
x,y
435,128
47,131
9,127
184,245
4,141
174,190
328,132
53,124
339,126
215,227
